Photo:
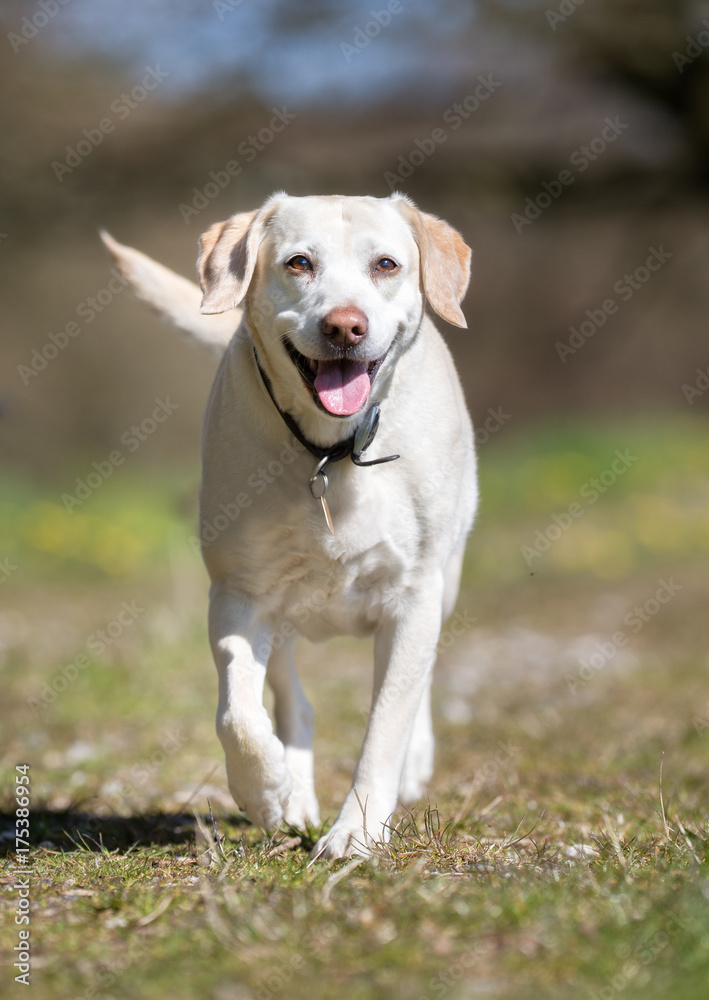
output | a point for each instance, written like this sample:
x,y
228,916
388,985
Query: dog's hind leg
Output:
x,y
294,728
255,758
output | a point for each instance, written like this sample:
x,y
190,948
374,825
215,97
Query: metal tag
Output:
x,y
318,488
318,485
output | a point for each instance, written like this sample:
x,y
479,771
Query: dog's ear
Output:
x,y
226,262
445,261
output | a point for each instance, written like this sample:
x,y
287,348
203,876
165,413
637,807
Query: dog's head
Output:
x,y
334,288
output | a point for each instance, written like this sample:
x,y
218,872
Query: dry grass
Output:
x,y
551,860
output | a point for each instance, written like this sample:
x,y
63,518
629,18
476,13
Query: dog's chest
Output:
x,y
282,553
329,588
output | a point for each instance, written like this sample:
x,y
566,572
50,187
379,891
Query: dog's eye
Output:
x,y
299,263
386,264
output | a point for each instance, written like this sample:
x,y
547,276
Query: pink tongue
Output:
x,y
343,387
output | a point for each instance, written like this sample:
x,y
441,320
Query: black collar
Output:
x,y
354,446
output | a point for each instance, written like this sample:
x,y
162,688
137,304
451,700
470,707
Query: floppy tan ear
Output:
x,y
226,261
445,261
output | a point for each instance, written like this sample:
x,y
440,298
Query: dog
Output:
x,y
339,482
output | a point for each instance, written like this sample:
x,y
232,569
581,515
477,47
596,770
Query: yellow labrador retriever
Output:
x,y
339,481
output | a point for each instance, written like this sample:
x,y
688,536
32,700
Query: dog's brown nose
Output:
x,y
345,326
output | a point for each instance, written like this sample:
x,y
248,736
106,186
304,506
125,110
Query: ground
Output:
x,y
562,851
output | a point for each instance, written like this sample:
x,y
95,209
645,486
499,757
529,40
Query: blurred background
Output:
x,y
567,141
362,95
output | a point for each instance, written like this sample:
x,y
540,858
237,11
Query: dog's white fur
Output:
x,y
392,567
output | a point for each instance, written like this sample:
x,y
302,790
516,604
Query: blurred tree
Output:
x,y
657,49
562,66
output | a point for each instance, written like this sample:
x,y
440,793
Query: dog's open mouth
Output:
x,y
341,385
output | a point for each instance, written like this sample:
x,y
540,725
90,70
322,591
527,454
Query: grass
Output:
x,y
563,852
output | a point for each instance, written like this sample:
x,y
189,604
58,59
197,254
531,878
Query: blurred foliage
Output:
x,y
648,47
619,54
123,530
561,69
358,120
654,512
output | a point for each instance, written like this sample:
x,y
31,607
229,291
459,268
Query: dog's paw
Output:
x,y
301,814
354,831
267,808
342,841
302,809
259,780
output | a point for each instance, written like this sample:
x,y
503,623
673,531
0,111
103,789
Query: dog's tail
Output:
x,y
174,298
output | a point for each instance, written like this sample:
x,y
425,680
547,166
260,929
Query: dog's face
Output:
x,y
334,287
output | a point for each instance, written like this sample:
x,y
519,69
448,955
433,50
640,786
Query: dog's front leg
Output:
x,y
404,653
255,758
